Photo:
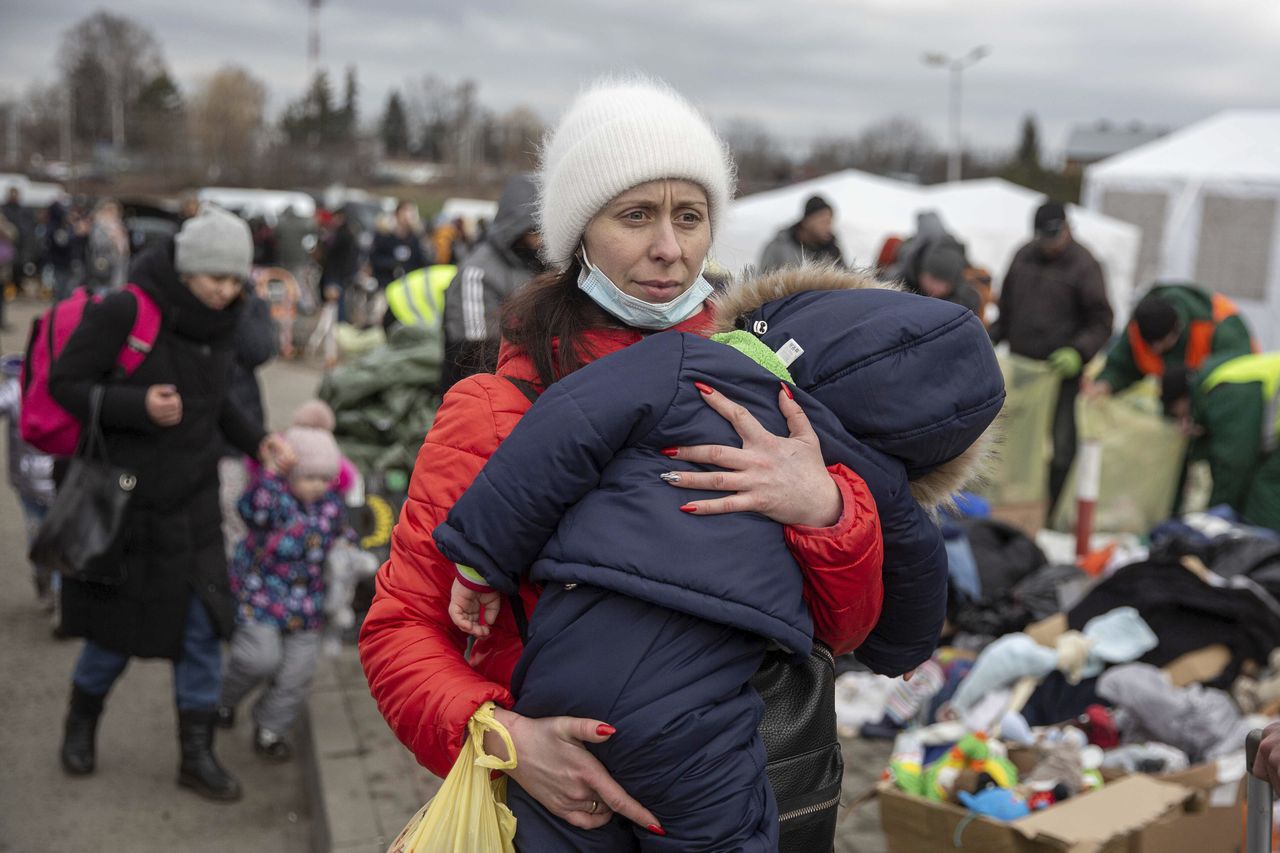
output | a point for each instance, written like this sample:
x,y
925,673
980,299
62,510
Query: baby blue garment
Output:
x,y
1118,636
961,566
1008,659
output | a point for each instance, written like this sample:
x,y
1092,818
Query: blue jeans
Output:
x,y
197,675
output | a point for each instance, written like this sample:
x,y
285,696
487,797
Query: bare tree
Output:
x,y
512,139
761,161
107,61
227,118
42,120
899,145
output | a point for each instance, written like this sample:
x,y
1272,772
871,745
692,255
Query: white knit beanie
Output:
x,y
617,135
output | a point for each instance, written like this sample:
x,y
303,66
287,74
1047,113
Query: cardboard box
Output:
x,y
1136,814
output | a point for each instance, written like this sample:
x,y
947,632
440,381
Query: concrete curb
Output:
x,y
362,784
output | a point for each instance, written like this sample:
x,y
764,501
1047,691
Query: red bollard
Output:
x,y
1088,478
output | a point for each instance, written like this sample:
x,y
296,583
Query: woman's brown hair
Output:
x,y
548,319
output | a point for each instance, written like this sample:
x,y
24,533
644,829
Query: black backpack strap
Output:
x,y
524,386
517,611
529,390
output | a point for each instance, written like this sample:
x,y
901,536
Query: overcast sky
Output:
x,y
803,68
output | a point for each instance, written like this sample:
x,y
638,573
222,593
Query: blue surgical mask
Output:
x,y
636,312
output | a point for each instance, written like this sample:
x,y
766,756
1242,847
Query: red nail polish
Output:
x,y
688,508
705,389
786,389
605,730
656,830
670,451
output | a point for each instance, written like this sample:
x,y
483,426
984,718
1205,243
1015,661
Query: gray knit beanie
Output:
x,y
215,242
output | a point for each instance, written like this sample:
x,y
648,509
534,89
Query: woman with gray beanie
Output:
x,y
633,183
164,423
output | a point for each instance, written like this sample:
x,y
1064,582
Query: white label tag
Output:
x,y
789,352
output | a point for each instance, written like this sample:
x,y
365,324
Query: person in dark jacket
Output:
x,y
398,250
931,232
506,259
577,493
164,424
60,250
811,240
1054,308
255,342
1173,324
341,261
942,276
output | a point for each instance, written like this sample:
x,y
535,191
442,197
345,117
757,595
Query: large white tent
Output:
x,y
992,217
1206,199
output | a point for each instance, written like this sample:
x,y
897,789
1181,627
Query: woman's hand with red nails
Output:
x,y
783,478
554,768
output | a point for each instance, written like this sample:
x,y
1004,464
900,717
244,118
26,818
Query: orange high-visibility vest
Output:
x,y
1199,340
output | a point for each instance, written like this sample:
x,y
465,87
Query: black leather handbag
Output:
x,y
805,766
81,535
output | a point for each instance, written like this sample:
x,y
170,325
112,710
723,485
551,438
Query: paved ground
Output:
x,y
369,783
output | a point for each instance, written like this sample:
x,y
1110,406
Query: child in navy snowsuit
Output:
x,y
656,620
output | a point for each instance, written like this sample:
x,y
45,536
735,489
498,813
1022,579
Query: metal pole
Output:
x,y
1258,804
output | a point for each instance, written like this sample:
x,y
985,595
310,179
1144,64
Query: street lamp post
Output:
x,y
956,67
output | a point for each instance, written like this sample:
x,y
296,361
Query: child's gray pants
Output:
x,y
262,652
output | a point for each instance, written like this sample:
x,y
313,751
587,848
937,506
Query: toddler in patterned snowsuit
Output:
x,y
277,576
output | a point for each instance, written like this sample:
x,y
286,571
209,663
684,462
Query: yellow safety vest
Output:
x,y
1263,369
417,298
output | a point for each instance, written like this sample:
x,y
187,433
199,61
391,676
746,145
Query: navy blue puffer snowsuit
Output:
x,y
654,619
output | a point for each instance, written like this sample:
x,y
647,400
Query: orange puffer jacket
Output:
x,y
413,655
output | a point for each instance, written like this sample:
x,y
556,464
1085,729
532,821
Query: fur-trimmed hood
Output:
x,y
911,376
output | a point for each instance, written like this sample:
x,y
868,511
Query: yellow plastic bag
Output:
x,y
1142,456
1020,473
469,813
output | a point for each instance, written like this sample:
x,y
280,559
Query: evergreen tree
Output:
x,y
310,120
348,120
395,127
1029,147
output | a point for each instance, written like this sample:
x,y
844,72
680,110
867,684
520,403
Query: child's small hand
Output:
x,y
473,612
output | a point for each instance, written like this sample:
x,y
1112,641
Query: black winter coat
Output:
x,y
256,341
171,543
1048,303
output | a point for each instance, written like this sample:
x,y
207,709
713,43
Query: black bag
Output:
x,y
805,767
80,537
805,764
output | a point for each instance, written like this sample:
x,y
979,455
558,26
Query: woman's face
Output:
x,y
652,239
215,291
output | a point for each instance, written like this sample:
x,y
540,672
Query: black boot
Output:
x,y
80,732
200,771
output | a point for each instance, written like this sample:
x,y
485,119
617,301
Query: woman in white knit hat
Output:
x,y
633,183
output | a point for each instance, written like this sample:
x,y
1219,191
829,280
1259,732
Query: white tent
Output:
x,y
1206,199
992,217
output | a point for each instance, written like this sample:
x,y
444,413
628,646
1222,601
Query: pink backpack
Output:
x,y
44,424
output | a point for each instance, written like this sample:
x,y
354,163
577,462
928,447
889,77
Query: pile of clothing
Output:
x,y
1056,681
385,400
